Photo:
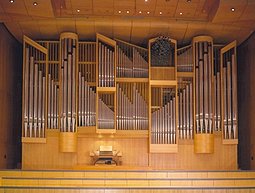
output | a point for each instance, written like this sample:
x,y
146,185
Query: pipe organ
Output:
x,y
167,95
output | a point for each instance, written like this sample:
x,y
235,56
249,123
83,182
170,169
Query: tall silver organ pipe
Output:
x,y
68,57
34,92
185,59
86,84
229,78
185,108
217,87
163,127
203,61
87,103
132,60
132,108
106,115
53,84
106,65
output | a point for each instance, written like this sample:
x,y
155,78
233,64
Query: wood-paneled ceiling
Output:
x,y
134,21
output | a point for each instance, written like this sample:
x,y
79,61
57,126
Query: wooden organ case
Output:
x,y
163,107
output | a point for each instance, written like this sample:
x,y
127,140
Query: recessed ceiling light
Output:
x,y
160,12
146,0
78,10
35,3
180,13
127,11
140,12
232,9
148,12
188,1
119,11
11,1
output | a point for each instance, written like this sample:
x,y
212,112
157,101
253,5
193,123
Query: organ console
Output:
x,y
110,86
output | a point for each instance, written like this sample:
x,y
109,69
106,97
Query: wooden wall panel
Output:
x,y
10,104
46,156
223,158
246,103
135,155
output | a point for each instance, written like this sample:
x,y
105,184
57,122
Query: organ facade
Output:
x,y
163,107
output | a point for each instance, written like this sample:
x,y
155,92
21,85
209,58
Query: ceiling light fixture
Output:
x,y
180,13
232,9
146,0
119,11
35,3
160,12
127,11
140,12
148,12
11,1
188,1
78,10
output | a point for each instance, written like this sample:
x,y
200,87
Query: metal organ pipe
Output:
x,y
185,106
234,96
132,61
229,105
68,42
106,62
163,121
230,94
39,103
86,89
185,63
34,92
132,109
106,114
203,84
26,94
217,88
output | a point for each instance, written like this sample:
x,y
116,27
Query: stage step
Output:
x,y
128,179
127,174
